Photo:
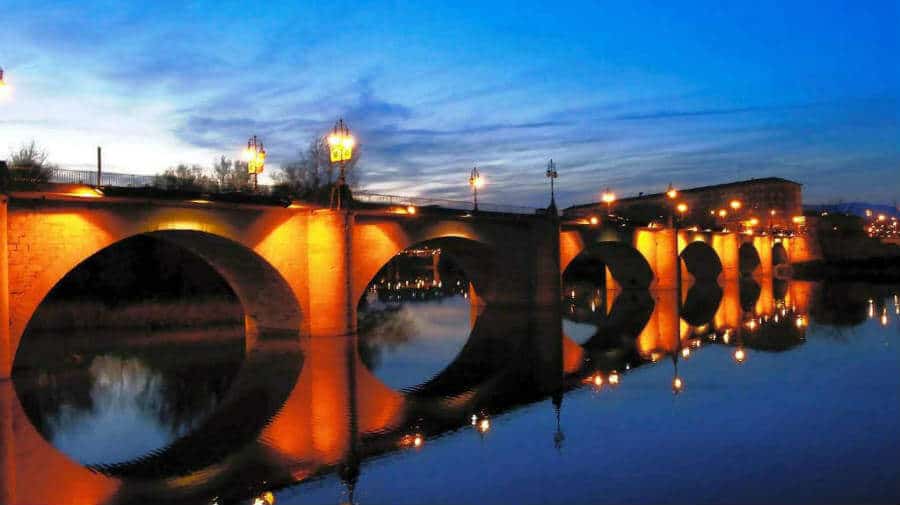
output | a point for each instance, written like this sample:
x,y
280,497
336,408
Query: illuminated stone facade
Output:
x,y
758,198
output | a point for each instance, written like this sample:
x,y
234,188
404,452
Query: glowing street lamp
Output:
x,y
340,143
671,192
740,355
735,205
608,198
476,181
255,156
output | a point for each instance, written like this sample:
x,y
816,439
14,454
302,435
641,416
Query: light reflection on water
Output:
x,y
809,414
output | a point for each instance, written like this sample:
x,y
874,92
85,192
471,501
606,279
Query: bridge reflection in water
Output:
x,y
296,409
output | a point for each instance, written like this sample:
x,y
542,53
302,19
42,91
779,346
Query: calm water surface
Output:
x,y
786,392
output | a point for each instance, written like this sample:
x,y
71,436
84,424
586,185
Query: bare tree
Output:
x,y
312,174
222,170
231,175
29,164
184,178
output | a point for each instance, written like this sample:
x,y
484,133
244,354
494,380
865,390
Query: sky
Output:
x,y
625,95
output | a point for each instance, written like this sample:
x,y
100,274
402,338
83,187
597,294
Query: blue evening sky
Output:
x,y
630,95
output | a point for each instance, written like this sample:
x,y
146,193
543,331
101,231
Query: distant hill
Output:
x,y
856,208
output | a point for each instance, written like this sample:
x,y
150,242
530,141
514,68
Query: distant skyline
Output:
x,y
627,95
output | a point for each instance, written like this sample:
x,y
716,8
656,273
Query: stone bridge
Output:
x,y
646,258
303,270
296,268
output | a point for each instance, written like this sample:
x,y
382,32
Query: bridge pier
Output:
x,y
727,247
6,350
763,246
332,305
7,444
660,249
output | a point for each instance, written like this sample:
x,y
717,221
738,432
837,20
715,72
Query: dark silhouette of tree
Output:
x,y
311,175
184,178
231,175
29,166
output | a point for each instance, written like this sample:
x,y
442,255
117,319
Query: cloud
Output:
x,y
667,114
189,81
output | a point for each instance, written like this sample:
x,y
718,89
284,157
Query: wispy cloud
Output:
x,y
162,82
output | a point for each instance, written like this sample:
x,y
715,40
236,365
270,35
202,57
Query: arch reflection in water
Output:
x,y
335,414
409,318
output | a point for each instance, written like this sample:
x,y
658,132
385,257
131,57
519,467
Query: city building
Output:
x,y
771,201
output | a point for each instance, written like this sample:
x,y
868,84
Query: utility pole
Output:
x,y
99,165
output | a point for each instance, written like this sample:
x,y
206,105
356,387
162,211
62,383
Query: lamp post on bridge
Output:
x,y
552,174
255,156
476,181
681,208
341,144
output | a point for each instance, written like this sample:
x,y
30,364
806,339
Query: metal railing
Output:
x,y
67,176
369,197
112,179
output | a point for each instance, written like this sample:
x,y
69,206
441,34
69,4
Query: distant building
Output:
x,y
757,197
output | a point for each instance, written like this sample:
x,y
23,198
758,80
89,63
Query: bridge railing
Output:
x,y
369,197
68,176
112,179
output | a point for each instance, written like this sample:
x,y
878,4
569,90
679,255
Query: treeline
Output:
x,y
309,176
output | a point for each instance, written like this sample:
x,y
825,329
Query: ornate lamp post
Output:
x,y
552,174
476,182
341,143
255,156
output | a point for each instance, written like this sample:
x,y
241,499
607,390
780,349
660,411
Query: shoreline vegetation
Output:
x,y
79,315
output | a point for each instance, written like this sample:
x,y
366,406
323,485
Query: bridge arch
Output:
x,y
701,261
626,265
701,303
749,259
750,291
779,254
380,242
254,281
